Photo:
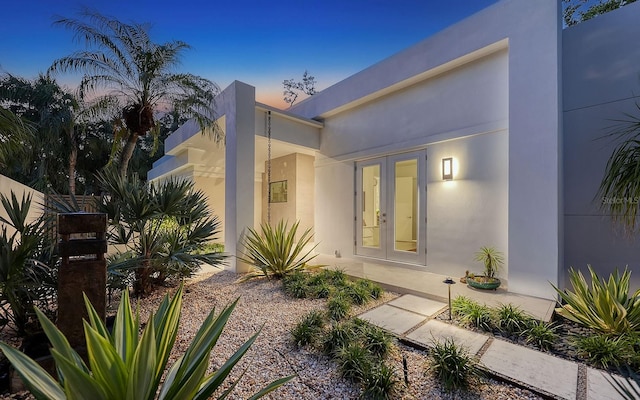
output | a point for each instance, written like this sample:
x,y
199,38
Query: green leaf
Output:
x,y
143,380
107,368
125,330
78,384
40,383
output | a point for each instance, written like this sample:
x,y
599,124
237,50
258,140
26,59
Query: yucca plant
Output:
x,y
605,306
492,260
274,252
123,365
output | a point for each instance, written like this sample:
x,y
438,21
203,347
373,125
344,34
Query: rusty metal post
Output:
x,y
82,246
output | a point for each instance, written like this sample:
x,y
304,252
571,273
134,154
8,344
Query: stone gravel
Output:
x,y
263,305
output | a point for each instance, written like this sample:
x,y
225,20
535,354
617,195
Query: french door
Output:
x,y
391,207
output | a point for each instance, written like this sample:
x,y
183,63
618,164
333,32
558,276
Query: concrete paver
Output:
x,y
551,374
392,318
419,305
437,330
599,388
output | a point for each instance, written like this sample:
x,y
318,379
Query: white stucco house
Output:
x,y
482,134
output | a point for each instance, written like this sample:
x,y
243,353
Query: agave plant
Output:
x,y
123,365
605,306
275,252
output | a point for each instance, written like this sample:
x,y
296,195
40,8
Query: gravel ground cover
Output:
x,y
263,305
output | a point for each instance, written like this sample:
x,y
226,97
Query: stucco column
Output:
x,y
238,103
535,153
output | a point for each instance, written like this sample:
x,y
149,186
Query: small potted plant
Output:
x,y
492,261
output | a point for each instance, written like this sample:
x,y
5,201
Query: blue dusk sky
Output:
x,y
261,43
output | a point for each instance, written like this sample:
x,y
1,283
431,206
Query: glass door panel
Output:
x,y
405,205
370,205
407,202
391,209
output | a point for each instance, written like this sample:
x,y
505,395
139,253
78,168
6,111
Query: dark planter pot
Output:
x,y
482,282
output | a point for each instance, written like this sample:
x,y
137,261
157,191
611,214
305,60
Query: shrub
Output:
x,y
540,334
379,382
308,329
27,265
604,351
338,306
461,305
605,306
125,366
322,291
511,319
353,361
274,252
357,293
374,290
479,316
340,335
337,277
297,289
377,341
167,227
452,365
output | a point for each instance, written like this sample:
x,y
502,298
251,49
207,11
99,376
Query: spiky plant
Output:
x,y
541,334
452,365
511,319
123,365
605,306
274,252
492,260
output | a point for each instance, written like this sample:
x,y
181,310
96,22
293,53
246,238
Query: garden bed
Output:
x,y
263,304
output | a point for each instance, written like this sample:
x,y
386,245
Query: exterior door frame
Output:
x,y
378,240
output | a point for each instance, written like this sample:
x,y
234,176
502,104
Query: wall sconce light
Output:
x,y
447,169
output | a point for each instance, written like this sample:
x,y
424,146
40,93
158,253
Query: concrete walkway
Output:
x,y
410,317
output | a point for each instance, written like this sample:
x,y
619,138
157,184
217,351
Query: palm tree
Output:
x,y
14,133
53,112
126,73
619,191
163,229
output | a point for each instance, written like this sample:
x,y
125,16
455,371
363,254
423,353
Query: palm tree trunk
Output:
x,y
73,158
127,153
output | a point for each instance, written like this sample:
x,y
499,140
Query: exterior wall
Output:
x,y
600,85
213,188
471,210
8,185
334,206
464,101
469,122
530,112
297,169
